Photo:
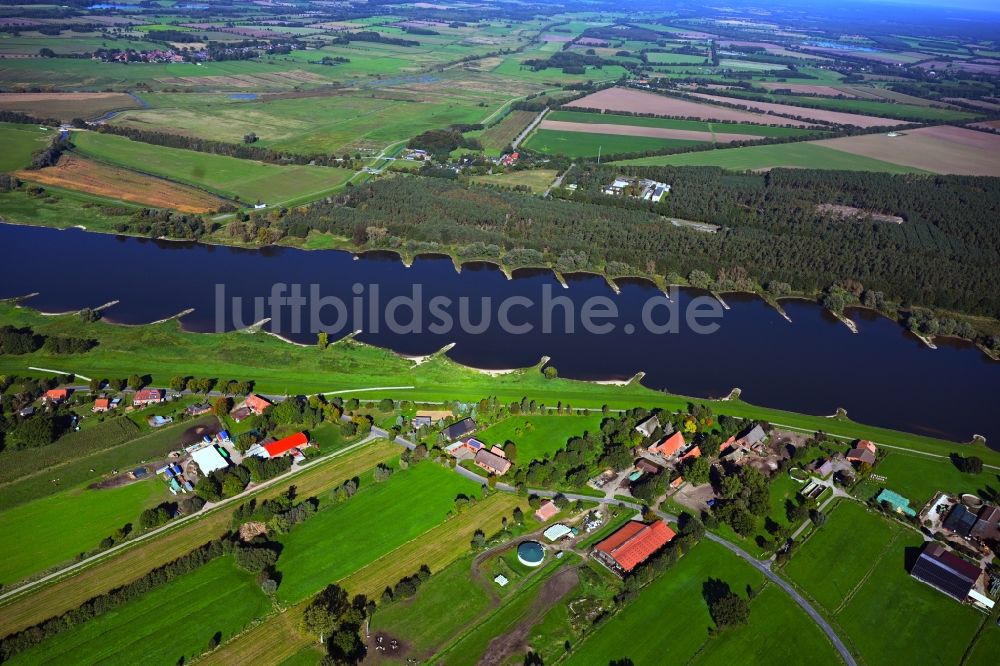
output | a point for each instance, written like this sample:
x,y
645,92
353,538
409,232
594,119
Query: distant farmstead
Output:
x,y
492,462
632,545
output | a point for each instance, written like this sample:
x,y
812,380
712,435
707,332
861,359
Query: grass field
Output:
x,y
865,106
537,180
428,619
656,58
857,567
19,142
839,555
537,436
66,106
50,531
62,208
582,144
380,518
670,123
131,563
682,633
803,155
159,624
230,177
918,477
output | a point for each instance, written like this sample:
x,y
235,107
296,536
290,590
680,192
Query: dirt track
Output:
x,y
553,590
638,101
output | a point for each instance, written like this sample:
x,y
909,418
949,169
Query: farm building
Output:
x,y
209,459
500,580
948,573
632,545
647,466
459,429
753,437
960,520
492,462
693,452
148,396
556,532
429,417
198,409
546,510
647,427
988,525
863,452
292,445
101,405
899,503
669,446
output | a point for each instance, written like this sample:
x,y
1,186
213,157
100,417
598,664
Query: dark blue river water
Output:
x,y
883,375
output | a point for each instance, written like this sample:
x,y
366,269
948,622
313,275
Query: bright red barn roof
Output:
x,y
635,542
275,449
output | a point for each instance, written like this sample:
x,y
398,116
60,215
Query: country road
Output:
x,y
527,130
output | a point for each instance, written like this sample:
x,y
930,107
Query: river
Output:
x,y
882,375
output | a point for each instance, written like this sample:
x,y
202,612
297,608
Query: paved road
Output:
x,y
527,130
558,181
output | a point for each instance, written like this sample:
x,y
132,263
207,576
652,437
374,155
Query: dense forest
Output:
x,y
771,229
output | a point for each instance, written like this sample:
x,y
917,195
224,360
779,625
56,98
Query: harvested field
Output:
x,y
987,124
66,106
500,135
981,103
942,149
808,89
655,132
638,101
836,117
285,79
75,173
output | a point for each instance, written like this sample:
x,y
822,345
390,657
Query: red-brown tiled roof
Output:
x,y
695,452
669,446
635,542
147,394
257,404
102,403
57,394
547,510
728,443
275,449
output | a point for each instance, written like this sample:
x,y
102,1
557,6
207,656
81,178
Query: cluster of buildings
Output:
x,y
130,55
948,573
638,188
509,159
252,405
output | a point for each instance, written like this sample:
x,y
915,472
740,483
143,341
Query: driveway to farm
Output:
x,y
527,130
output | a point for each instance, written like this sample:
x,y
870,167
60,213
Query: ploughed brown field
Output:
x,y
806,88
837,117
638,101
988,124
66,106
75,173
941,149
655,132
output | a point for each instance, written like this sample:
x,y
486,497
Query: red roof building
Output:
x,y
257,404
547,510
633,544
695,452
148,396
727,444
669,446
283,446
102,405
56,395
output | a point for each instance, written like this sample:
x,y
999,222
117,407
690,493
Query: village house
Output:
x,y
493,461
960,520
864,452
752,438
198,409
55,396
257,404
987,527
632,545
546,511
430,417
459,429
101,404
669,446
649,426
148,396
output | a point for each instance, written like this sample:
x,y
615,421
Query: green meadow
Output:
x,y
171,624
802,155
54,529
918,477
863,106
342,538
585,144
231,177
19,141
537,436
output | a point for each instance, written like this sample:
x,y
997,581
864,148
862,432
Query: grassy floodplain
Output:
x,y
231,177
19,141
537,436
748,158
585,144
170,623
